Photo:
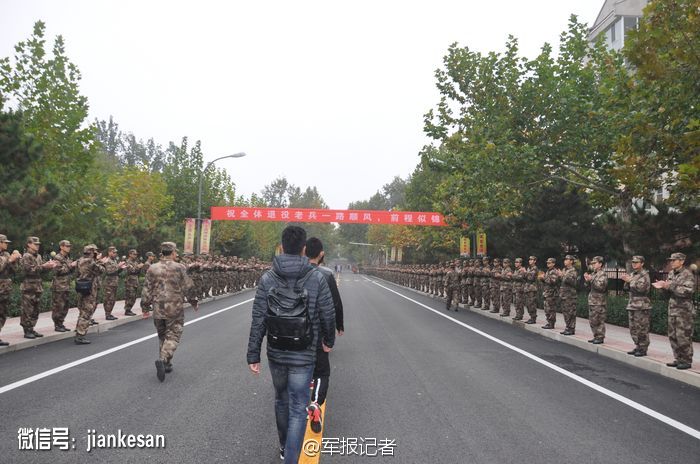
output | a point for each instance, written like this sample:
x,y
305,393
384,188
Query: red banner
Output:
x,y
407,218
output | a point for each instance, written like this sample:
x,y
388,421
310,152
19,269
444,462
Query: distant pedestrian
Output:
x,y
293,308
680,285
639,307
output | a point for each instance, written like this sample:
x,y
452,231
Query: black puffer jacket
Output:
x,y
321,311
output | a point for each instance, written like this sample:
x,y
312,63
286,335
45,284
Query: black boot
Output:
x,y
28,333
60,328
129,313
79,340
160,370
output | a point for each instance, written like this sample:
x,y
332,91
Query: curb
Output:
x,y
96,329
690,378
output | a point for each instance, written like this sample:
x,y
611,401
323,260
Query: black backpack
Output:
x,y
287,320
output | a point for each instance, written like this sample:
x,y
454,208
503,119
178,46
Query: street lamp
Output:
x,y
199,196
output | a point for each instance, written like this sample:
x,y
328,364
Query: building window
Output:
x,y
612,32
631,22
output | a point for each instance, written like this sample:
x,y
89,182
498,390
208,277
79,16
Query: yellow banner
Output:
x,y
205,236
481,243
190,227
465,246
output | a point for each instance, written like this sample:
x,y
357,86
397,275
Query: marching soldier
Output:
x,y
519,277
597,299
530,289
567,294
90,267
9,264
550,279
131,282
639,306
681,285
167,285
60,287
111,282
32,287
506,280
496,286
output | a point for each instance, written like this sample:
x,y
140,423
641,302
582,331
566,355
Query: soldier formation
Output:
x,y
492,285
211,276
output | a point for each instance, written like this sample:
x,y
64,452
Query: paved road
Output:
x,y
444,392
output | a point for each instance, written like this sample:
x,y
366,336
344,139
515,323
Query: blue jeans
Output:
x,y
292,396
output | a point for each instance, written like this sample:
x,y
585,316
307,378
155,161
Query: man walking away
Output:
x,y
293,307
322,369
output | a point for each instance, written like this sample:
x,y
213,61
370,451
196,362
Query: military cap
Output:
x,y
33,240
571,257
637,259
506,260
518,260
133,251
168,246
112,248
551,260
680,256
89,248
3,239
64,243
150,253
533,257
598,259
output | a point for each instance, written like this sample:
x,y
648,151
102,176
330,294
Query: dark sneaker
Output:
x,y
531,321
315,418
634,352
548,326
640,353
130,313
598,341
494,311
60,328
111,318
160,370
93,322
671,364
683,366
81,341
567,332
29,335
37,334
168,367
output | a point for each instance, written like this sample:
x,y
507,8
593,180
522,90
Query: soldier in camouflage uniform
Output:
x,y
110,283
476,283
550,280
90,267
597,299
60,287
9,264
530,289
519,277
442,270
506,282
567,294
470,284
486,285
681,285
463,290
32,287
639,306
131,282
495,287
166,287
451,284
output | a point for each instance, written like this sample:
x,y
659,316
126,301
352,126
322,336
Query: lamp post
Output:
x,y
199,196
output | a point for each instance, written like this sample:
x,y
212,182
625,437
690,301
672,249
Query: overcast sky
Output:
x,y
326,93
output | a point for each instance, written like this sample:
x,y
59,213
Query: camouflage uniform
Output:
x,y
530,290
597,302
506,280
496,286
680,313
567,297
519,277
32,288
166,287
476,284
451,284
131,284
88,270
60,289
486,285
639,308
551,284
7,268
110,283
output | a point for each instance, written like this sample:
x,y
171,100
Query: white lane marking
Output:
x,y
78,362
622,399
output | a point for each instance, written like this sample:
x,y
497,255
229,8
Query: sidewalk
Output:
x,y
617,342
13,333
